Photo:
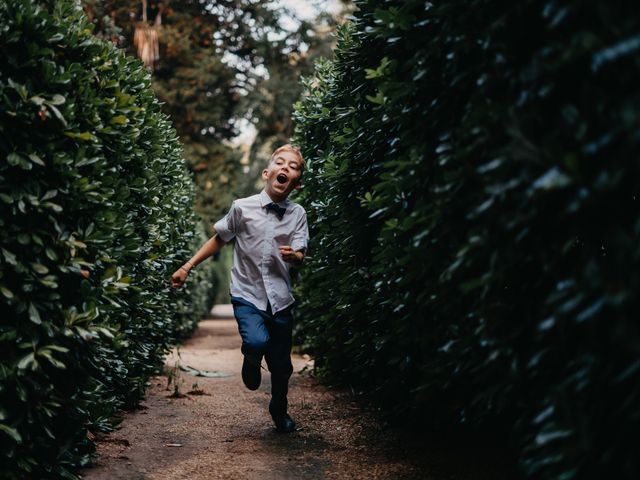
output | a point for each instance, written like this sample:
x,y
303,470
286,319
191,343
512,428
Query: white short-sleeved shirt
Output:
x,y
259,274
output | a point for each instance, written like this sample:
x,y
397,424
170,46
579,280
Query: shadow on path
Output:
x,y
220,430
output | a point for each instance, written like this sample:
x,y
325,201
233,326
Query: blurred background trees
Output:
x,y
269,106
222,67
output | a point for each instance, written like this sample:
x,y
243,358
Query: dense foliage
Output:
x,y
473,195
96,212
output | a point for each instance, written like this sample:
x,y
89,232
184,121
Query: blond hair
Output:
x,y
289,148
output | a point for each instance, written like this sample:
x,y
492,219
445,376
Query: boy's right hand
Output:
x,y
179,277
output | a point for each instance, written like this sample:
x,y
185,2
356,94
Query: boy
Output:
x,y
271,234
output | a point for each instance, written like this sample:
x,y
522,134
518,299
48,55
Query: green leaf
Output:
x,y
378,99
39,268
57,114
105,331
87,161
57,99
552,180
49,281
36,159
85,136
46,354
37,100
78,243
14,159
28,360
53,206
34,315
49,194
21,89
9,257
57,348
55,38
6,292
119,120
12,432
391,223
378,72
203,373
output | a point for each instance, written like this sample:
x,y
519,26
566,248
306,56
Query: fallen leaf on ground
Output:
x,y
203,373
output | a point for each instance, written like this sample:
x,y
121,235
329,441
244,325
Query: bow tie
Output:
x,y
277,208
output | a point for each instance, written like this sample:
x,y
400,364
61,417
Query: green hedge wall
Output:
x,y
96,212
473,192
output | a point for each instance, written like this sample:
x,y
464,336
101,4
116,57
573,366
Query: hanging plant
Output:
x,y
145,38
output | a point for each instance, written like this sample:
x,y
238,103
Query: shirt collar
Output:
x,y
265,199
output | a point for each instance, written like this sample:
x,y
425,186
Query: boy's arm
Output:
x,y
211,247
225,231
294,253
289,255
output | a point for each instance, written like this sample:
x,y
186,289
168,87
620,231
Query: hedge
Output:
x,y
96,212
473,195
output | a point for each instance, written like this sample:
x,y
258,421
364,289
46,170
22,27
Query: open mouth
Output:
x,y
282,178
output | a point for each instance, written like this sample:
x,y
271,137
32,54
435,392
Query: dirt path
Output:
x,y
225,432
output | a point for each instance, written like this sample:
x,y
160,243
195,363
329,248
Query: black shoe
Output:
x,y
284,423
251,375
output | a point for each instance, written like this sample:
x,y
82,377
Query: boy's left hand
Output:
x,y
290,255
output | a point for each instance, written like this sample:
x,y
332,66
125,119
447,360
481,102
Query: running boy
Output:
x,y
271,235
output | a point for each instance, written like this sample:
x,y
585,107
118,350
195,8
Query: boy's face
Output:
x,y
282,175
